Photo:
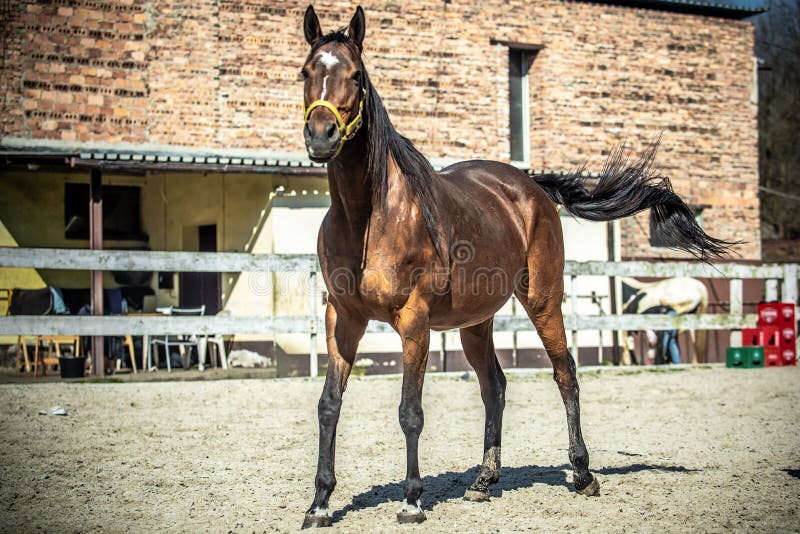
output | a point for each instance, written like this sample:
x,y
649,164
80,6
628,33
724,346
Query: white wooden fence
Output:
x,y
229,262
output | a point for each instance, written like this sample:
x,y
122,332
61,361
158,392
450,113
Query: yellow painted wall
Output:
x,y
173,206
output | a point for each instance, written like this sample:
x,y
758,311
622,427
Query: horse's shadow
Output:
x,y
451,485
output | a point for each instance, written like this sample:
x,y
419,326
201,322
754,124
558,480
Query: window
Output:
x,y
519,63
121,212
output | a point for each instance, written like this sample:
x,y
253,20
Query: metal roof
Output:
x,y
127,157
136,159
696,7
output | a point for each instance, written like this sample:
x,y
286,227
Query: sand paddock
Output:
x,y
703,449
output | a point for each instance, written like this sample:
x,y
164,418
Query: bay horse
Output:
x,y
423,250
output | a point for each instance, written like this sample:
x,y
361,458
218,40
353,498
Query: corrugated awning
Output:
x,y
720,9
137,159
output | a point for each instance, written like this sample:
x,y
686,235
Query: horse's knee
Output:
x,y
411,418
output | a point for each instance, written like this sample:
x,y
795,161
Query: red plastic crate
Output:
x,y
763,336
789,357
788,337
769,313
773,357
787,314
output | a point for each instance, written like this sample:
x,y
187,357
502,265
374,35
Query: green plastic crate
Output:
x,y
744,357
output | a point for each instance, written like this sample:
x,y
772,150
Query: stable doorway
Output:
x,y
197,289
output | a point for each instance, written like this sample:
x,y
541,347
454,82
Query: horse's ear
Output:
x,y
311,27
357,28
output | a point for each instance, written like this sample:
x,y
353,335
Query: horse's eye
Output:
x,y
304,73
356,76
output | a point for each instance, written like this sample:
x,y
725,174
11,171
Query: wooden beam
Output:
x,y
127,260
148,325
790,273
516,45
228,325
96,285
670,269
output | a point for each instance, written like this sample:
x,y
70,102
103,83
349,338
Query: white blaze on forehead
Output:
x,y
324,88
327,59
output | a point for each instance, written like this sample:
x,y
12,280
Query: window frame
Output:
x,y
527,53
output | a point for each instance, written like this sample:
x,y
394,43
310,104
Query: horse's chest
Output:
x,y
384,285
378,287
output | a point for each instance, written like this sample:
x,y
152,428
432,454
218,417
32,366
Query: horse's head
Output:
x,y
333,96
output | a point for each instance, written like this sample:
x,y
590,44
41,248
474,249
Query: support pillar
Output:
x,y
96,243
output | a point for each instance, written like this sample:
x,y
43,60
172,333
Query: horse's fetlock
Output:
x,y
413,489
579,458
325,481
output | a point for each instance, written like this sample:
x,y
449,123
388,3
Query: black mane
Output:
x,y
384,141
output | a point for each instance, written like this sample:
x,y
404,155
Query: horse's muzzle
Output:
x,y
322,140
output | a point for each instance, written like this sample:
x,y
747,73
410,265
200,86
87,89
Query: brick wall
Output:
x,y
224,73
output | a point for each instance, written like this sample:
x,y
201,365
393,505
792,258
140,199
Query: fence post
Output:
x,y
770,290
736,300
443,352
574,304
312,352
96,276
790,283
514,333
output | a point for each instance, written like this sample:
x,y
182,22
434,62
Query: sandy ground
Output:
x,y
706,449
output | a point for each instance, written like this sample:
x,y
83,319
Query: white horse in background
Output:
x,y
682,294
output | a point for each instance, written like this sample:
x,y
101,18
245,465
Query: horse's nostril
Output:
x,y
331,131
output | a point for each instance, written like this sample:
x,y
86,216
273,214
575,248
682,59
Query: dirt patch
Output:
x,y
704,449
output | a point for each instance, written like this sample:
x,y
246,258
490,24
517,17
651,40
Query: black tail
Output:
x,y
624,189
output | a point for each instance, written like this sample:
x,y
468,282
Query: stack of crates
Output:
x,y
780,317
776,335
745,357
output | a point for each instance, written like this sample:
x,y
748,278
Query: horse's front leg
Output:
x,y
343,332
414,329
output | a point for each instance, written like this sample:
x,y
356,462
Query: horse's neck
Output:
x,y
350,187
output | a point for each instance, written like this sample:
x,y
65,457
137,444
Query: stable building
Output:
x,y
191,115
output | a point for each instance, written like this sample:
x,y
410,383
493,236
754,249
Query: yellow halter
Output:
x,y
346,131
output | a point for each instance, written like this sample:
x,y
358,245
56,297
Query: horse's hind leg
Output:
x,y
479,350
550,326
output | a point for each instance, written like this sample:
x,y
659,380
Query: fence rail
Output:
x,y
88,325
130,260
120,260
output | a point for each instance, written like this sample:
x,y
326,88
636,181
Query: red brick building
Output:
x,y
218,75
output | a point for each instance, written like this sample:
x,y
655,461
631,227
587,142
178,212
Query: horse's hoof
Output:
x,y
592,489
476,495
410,513
317,519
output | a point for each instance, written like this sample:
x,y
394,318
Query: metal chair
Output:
x,y
182,341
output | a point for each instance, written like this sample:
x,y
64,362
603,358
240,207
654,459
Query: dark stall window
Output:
x,y
122,212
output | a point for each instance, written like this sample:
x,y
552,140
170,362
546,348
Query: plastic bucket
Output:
x,y
72,367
